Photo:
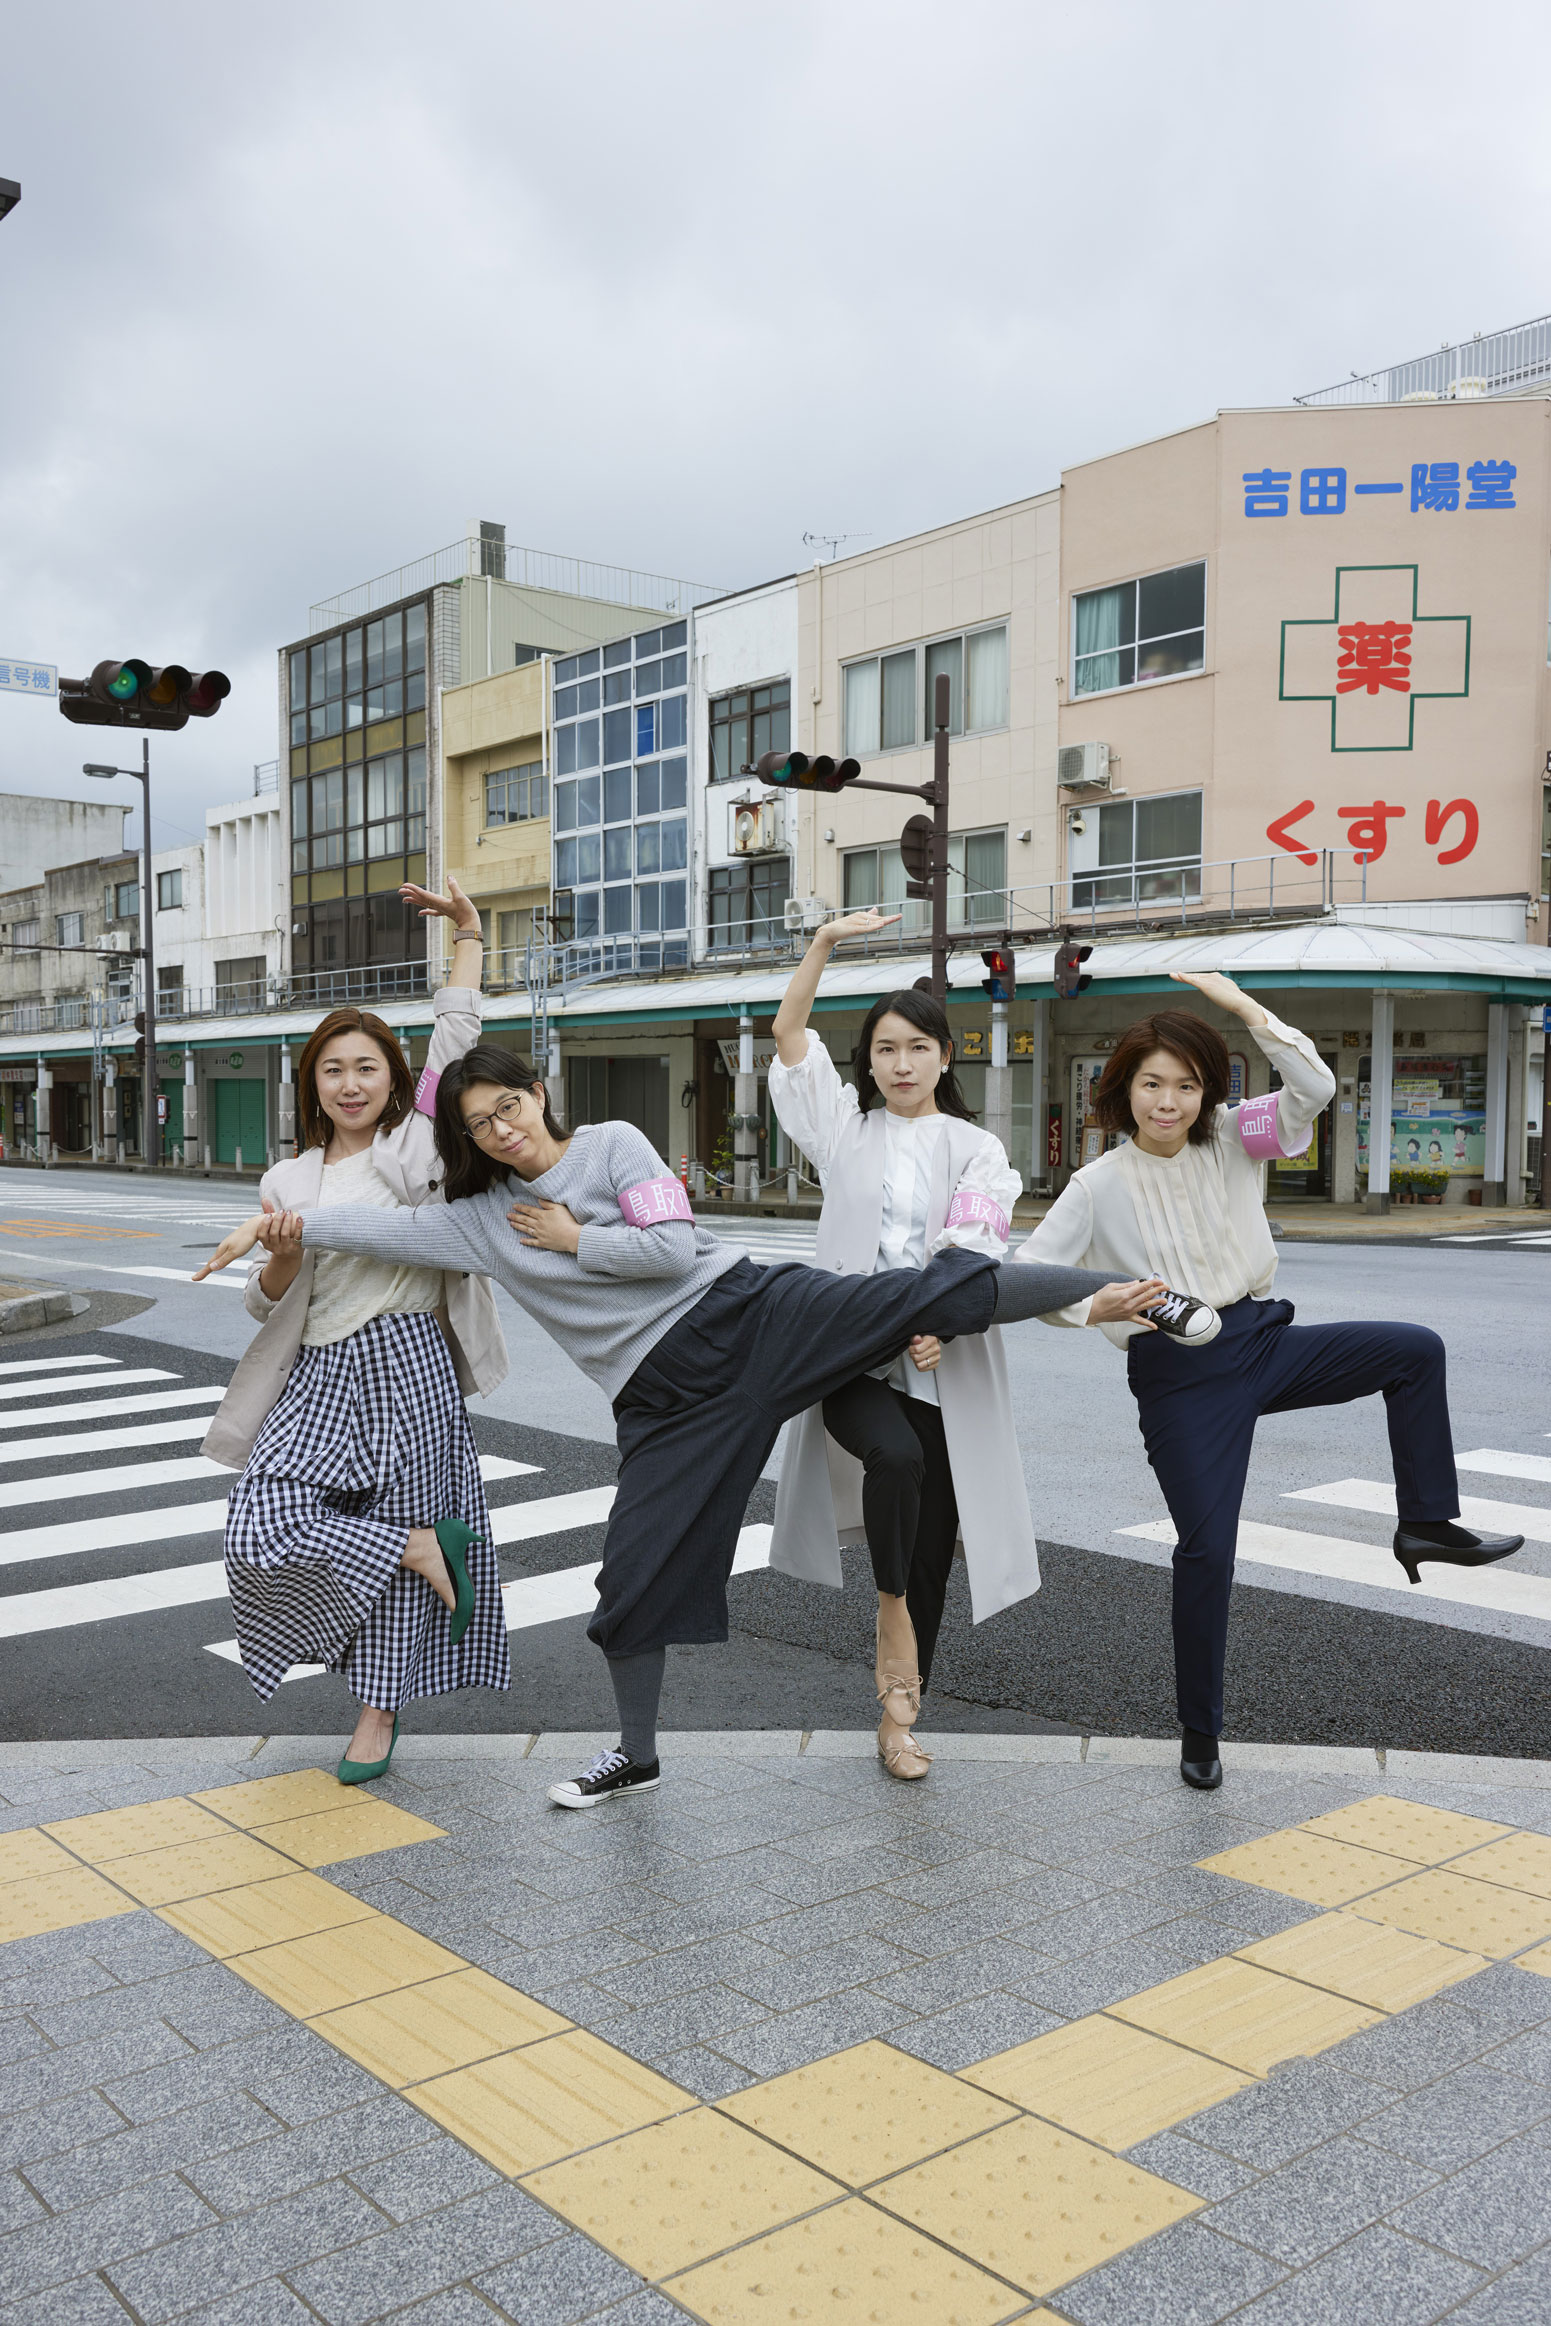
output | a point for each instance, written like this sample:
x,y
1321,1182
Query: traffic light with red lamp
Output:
x,y
134,694
795,771
999,985
1070,981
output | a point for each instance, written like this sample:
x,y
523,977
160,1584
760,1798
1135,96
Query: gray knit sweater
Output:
x,y
609,1303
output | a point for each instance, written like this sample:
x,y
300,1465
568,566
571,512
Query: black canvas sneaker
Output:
x,y
1185,1319
610,1775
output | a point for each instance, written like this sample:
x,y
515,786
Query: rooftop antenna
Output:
x,y
831,541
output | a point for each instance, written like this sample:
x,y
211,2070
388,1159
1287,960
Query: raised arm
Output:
x,y
791,1019
468,943
1308,1086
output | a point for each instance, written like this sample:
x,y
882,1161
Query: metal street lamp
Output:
x,y
151,1130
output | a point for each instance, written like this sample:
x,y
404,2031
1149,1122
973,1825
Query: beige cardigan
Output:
x,y
407,1158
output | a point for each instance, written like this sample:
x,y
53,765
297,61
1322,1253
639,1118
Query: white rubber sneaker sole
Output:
x,y
1202,1332
566,1796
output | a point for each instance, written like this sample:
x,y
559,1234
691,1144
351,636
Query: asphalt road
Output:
x,y
1328,1644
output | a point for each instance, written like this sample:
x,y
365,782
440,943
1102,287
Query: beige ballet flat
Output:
x,y
901,1755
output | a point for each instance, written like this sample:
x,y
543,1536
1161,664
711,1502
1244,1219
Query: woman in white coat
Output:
x,y
925,1448
358,1535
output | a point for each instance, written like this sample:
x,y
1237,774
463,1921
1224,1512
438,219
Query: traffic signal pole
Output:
x,y
935,795
150,1088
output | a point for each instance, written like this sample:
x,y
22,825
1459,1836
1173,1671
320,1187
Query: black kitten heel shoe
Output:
x,y
1450,1545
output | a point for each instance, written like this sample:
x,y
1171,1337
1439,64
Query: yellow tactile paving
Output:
x,y
162,1877
263,1913
1369,1962
1251,2018
1109,2082
30,1852
121,1833
416,2032
865,2112
849,2266
1538,1959
330,1836
58,1902
265,1800
678,2192
333,1967
1035,2204
1522,1862
1309,1866
1407,1829
533,2107
1482,1916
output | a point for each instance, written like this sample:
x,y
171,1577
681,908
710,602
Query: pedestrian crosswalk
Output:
x,y
767,1240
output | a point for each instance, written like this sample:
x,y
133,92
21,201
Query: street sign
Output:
x,y
28,678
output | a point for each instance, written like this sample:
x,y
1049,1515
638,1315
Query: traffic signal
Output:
x,y
1003,976
795,771
1070,981
915,848
133,694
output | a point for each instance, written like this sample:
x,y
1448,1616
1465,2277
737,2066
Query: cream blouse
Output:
x,y
1197,1219
349,1290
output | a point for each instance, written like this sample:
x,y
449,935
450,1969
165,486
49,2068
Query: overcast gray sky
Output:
x,y
294,291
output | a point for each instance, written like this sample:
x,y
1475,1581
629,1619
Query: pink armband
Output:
x,y
970,1210
1260,1129
655,1200
425,1092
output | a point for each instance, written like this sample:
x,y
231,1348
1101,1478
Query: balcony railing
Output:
x,y
534,569
1500,363
306,989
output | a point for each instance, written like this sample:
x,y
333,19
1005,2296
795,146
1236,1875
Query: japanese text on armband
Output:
x,y
654,1201
425,1092
969,1209
1260,1129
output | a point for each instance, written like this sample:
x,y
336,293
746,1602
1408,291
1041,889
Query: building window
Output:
x,y
747,903
69,928
169,891
514,795
890,698
1143,630
621,784
240,985
169,982
123,901
25,936
977,883
1130,851
359,814
746,725
374,671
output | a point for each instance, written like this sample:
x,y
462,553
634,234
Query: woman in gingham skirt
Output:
x,y
357,1536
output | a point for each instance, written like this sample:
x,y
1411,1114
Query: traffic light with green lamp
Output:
x,y
795,771
134,694
1003,975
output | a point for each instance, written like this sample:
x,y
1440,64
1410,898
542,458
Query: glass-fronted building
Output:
x,y
620,799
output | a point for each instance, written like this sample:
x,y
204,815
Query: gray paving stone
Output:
x,y
460,2242
1084,1838
1300,2104
186,2272
1197,1938
1492,2212
458,2306
67,2245
973,2031
1505,1997
1378,2279
1181,1844
18,2206
207,2004
198,2076
704,2072
810,1881
1521,2297
1447,2124
325,2085
705,2016
268,2304
1004,1911
42,2132
1185,2276
85,2301
1238,1905
20,2038
644,2309
973,1876
797,2037
100,2168
1073,1989
282,2163
1417,2046
938,1984
32,2083
1105,1922
1205,2172
139,1946
58,1981
1526,2055
658,1927
570,2279
864,1914
1301,2211
423,2179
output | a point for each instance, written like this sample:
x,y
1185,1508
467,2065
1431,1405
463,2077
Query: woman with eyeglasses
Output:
x,y
358,1535
702,1353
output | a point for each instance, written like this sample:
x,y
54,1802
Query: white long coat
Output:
x,y
819,1498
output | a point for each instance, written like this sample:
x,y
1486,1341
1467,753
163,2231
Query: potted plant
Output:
x,y
1402,1186
1431,1183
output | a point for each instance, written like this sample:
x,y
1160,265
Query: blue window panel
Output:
x,y
648,907
587,743
587,801
584,913
587,696
675,782
587,856
565,702
672,723
675,844
616,796
616,912
645,730
675,898
648,848
648,789
565,807
616,737
616,687
565,864
616,854
565,751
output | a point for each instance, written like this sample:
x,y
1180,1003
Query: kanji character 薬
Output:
x,y
1438,814
1322,492
1369,828
1265,492
1435,486
1374,655
1491,484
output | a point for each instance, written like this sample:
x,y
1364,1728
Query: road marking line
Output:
x,y
130,1477
1511,1518
53,1364
1502,1464
117,1531
521,1522
1341,1561
102,1268
163,1401
86,1381
156,1433
26,1612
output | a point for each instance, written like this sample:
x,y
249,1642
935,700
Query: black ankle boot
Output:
x,y
1450,1544
1198,1761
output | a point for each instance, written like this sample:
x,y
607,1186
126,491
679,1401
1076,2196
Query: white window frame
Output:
x,y
1136,685
62,928
916,912
174,903
920,648
1136,870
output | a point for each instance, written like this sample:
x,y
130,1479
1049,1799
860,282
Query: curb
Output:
x,y
32,1309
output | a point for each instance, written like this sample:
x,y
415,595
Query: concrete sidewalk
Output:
x,y
1046,2036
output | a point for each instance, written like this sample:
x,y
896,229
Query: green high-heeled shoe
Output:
x,y
362,1772
455,1539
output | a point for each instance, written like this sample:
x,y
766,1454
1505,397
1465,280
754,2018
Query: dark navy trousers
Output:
x,y
1198,1409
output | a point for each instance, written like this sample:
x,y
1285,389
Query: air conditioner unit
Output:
x,y
806,913
1083,767
756,827
116,941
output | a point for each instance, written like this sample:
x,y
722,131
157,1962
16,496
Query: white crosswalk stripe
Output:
x,y
1497,1588
53,1364
154,1401
87,1381
1478,1510
152,1433
231,1278
1505,1465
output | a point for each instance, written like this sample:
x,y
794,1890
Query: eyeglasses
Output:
x,y
508,1111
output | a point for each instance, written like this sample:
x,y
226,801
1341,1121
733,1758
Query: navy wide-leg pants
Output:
x,y
1198,1409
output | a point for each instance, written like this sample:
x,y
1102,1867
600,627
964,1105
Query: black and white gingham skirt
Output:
x,y
370,1437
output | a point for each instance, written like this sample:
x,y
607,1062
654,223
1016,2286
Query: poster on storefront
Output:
x,y
1447,1139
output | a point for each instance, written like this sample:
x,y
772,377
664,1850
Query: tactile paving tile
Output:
x,y
161,1877
1370,1962
308,1975
1035,2204
1538,1959
58,1902
677,2193
30,1852
1106,2081
120,1833
530,2108
1309,1866
1522,1862
865,2112
421,2031
264,1913
1407,1829
849,2266
331,1836
265,1800
1251,2018
1482,1916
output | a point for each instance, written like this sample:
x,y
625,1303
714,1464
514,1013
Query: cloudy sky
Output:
x,y
295,291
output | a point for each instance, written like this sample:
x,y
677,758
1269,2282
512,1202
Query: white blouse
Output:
x,y
1197,1219
349,1290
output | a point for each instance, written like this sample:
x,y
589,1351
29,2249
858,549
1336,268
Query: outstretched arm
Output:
x,y
468,945
1308,1086
791,1019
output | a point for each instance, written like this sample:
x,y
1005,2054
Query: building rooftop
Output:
x,y
485,551
1516,362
